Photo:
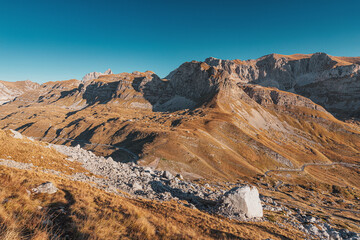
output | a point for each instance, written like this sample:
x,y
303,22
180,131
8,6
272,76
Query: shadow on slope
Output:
x,y
60,214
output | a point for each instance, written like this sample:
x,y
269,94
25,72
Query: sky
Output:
x,y
61,39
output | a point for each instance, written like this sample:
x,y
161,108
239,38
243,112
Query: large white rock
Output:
x,y
241,202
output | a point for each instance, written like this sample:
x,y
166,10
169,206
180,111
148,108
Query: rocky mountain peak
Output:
x,y
95,75
212,61
108,72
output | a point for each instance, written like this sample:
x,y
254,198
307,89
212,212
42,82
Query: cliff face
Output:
x,y
332,82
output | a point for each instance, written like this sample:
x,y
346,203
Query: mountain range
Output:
x,y
279,120
273,111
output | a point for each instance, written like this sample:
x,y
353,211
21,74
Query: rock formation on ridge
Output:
x,y
10,90
95,75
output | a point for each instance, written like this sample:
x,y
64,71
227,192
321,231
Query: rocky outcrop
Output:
x,y
271,96
326,80
95,75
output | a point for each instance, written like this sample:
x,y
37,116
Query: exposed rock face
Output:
x,y
10,90
95,75
241,202
332,82
271,96
47,187
329,81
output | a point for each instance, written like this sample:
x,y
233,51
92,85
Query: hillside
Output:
x,y
10,90
80,210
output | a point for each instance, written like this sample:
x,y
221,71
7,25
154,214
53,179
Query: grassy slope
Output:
x,y
84,212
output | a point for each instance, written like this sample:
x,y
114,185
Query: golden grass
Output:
x,y
27,151
84,212
91,213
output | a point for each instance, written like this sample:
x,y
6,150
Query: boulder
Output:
x,y
241,202
47,187
167,175
136,187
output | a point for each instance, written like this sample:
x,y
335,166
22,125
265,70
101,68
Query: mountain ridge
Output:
x,y
142,112
314,76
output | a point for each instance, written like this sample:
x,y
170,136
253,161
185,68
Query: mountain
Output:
x,y
95,75
190,122
269,122
10,90
333,82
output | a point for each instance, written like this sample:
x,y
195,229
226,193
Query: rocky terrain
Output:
x,y
208,131
189,129
332,82
241,202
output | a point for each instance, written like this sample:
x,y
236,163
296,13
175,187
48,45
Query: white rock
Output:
x,y
47,187
168,175
149,170
242,200
136,187
16,134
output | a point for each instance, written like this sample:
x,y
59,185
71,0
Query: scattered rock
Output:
x,y
47,187
136,186
168,175
179,176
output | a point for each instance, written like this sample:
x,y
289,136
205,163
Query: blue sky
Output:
x,y
61,39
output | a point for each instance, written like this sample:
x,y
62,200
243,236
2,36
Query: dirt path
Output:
x,y
311,164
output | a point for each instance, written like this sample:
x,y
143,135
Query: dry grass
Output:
x,y
27,151
19,215
80,211
89,213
